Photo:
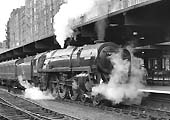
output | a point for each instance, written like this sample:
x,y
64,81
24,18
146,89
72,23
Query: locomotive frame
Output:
x,y
70,72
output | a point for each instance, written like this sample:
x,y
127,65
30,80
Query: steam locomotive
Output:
x,y
70,72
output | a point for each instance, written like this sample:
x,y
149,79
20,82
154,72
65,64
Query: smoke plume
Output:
x,y
33,92
100,29
121,86
70,14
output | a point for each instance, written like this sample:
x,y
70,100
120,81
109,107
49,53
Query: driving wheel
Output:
x,y
62,91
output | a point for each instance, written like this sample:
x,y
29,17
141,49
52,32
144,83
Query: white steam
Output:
x,y
33,92
122,87
70,14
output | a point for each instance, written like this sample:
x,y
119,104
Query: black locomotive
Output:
x,y
70,72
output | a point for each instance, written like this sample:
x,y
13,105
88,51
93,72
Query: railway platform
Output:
x,y
156,89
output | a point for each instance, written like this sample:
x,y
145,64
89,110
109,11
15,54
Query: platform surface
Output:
x,y
156,89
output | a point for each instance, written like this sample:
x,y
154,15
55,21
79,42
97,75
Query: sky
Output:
x,y
6,7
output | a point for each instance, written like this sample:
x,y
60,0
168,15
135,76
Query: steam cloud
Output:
x,y
33,92
100,29
121,87
70,14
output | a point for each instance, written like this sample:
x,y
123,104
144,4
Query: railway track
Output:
x,y
158,101
26,110
135,111
8,112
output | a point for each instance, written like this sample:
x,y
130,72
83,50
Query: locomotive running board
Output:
x,y
67,69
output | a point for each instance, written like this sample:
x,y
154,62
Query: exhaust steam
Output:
x,y
122,87
33,92
72,12
100,29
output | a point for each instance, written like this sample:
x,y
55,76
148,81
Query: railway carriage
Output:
x,y
25,69
8,72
